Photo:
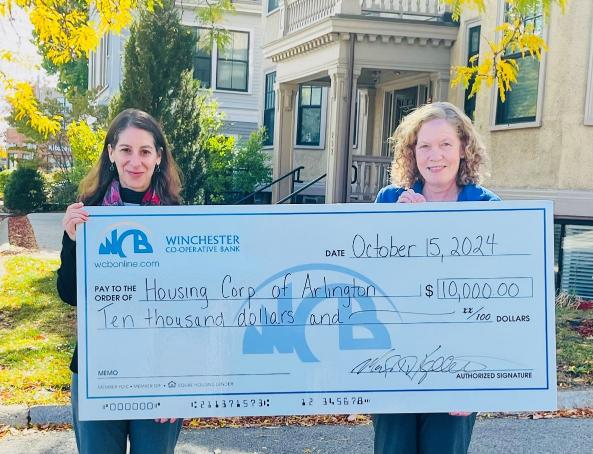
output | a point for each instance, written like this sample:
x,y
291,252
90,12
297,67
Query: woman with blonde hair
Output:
x,y
438,157
135,168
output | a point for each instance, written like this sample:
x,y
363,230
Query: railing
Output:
x,y
296,178
370,173
301,13
402,9
298,14
298,191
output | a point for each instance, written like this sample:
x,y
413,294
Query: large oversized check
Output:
x,y
262,310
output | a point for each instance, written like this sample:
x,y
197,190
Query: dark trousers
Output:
x,y
111,437
423,433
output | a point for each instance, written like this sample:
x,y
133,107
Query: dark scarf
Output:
x,y
113,196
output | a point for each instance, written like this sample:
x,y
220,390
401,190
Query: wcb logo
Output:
x,y
114,245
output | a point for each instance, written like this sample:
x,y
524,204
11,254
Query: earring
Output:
x,y
157,168
112,167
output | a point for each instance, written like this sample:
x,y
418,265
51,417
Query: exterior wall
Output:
x,y
554,158
114,64
241,109
241,129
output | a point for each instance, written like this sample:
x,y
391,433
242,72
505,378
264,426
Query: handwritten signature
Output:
x,y
415,367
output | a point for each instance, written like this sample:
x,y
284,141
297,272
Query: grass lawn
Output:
x,y
574,346
37,336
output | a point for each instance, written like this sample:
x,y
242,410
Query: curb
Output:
x,y
575,399
21,416
4,232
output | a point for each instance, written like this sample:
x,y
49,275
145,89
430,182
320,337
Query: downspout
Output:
x,y
346,169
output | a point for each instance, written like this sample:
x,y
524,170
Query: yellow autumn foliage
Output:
x,y
86,144
21,97
67,33
516,36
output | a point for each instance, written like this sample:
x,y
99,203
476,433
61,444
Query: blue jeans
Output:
x,y
110,437
423,433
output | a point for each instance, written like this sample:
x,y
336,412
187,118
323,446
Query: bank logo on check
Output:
x,y
114,244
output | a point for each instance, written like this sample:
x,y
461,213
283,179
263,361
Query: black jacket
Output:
x,y
67,271
67,282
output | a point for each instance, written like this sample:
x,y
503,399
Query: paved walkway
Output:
x,y
4,233
544,436
48,230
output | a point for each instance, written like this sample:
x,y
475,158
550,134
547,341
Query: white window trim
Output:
x,y
322,128
250,63
214,62
540,88
471,23
275,10
589,97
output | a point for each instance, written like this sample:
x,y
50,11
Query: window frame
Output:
x,y
322,110
272,9
537,121
194,58
469,26
247,63
270,139
214,64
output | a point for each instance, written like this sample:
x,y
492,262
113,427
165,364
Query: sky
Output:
x,y
17,35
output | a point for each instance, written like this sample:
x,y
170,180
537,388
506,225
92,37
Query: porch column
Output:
x,y
338,137
440,86
282,160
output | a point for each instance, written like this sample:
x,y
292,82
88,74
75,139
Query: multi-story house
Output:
x,y
340,74
232,74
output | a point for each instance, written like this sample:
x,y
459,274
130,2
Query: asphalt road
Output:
x,y
544,436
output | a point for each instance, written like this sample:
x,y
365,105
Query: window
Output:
x,y
309,116
233,63
99,64
203,58
272,5
473,49
269,108
521,102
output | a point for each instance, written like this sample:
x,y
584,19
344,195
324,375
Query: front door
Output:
x,y
398,104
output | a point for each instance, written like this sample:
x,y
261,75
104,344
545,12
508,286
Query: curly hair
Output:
x,y
404,169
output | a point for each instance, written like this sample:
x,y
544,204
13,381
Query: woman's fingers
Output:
x,y
75,214
164,420
410,196
460,413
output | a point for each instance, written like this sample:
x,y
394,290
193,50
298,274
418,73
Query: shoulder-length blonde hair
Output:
x,y
404,169
166,182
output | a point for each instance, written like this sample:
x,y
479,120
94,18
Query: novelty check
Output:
x,y
309,309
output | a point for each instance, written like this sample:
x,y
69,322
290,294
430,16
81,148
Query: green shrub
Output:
x,y
61,190
24,192
4,177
